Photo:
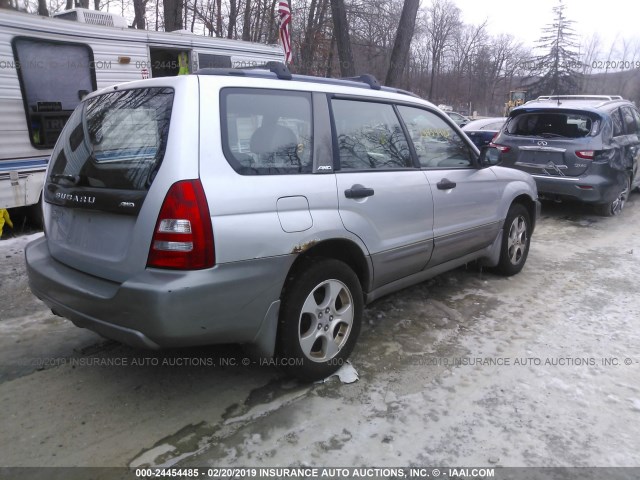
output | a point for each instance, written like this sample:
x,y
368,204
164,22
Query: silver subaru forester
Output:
x,y
265,209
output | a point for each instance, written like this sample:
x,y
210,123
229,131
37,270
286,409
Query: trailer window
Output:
x,y
208,60
54,77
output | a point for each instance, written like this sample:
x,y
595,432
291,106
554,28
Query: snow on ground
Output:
x,y
467,369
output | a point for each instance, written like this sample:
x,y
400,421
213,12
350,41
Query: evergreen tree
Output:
x,y
557,72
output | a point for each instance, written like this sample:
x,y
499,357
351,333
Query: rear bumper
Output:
x,y
594,188
158,308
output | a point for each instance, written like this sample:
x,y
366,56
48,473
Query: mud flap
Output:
x,y
264,343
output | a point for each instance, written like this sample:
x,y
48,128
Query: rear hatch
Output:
x,y
102,171
554,142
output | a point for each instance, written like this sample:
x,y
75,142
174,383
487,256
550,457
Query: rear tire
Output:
x,y
516,237
615,207
320,319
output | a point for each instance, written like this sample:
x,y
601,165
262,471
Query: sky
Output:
x,y
525,20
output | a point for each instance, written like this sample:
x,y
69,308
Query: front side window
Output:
x,y
267,132
370,136
54,78
437,144
114,141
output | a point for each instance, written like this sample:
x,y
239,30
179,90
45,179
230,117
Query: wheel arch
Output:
x,y
341,249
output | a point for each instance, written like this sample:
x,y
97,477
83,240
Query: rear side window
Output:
x,y
551,124
267,132
618,128
636,116
370,136
630,124
437,144
115,141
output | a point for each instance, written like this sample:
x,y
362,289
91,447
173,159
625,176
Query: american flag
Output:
x,y
285,37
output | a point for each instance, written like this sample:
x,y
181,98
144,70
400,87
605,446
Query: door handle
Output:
x,y
358,191
445,184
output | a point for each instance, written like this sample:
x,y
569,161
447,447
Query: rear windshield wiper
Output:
x,y
73,179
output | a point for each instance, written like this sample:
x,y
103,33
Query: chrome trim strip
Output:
x,y
550,177
543,149
541,166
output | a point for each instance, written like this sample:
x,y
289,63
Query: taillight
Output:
x,y
183,237
586,154
502,148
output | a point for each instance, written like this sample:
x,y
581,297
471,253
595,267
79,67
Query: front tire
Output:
x,y
516,238
320,319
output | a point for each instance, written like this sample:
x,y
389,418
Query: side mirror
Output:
x,y
489,156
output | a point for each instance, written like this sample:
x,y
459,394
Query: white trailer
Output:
x,y
47,65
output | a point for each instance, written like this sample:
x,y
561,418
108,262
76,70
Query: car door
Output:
x,y
383,198
631,119
465,197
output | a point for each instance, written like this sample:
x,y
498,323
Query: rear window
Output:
x,y
114,141
549,125
266,132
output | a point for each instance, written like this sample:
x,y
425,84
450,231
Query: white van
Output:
x,y
47,65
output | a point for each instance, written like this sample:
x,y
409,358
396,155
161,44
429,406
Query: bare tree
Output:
x,y
172,15
443,20
42,8
343,40
402,44
140,8
233,18
246,22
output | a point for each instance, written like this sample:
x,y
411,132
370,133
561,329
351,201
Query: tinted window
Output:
x,y
636,116
52,89
436,143
369,136
207,60
116,140
551,124
617,123
267,132
630,124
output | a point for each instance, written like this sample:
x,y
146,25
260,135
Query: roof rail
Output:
x,y
280,69
580,97
366,78
283,73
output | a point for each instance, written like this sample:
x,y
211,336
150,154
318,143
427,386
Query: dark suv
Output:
x,y
576,147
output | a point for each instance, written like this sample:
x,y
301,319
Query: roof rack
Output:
x,y
580,97
282,72
367,78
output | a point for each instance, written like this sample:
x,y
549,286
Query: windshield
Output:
x,y
552,124
114,141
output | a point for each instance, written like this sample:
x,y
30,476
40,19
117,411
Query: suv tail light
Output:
x,y
586,154
502,148
183,237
